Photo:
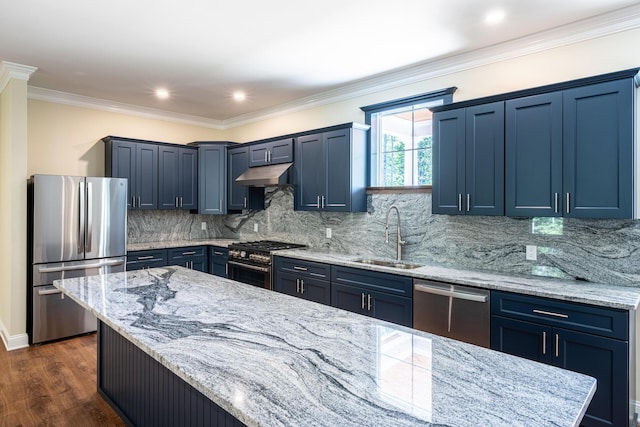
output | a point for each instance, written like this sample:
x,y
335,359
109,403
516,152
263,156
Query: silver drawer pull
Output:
x,y
140,258
189,253
217,253
300,268
550,313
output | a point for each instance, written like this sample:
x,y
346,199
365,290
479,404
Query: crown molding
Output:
x,y
11,70
587,29
66,98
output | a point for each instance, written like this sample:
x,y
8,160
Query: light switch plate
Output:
x,y
204,226
532,253
255,227
328,233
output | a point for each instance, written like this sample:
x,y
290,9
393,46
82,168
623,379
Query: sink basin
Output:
x,y
392,264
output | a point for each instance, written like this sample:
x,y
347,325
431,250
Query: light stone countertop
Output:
x,y
274,360
605,295
222,243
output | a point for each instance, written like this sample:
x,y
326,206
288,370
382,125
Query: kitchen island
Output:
x,y
267,359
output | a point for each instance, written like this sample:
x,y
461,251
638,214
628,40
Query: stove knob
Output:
x,y
243,254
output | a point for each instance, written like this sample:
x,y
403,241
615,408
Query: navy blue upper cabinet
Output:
x,y
598,150
178,177
468,160
241,197
533,155
271,153
138,162
330,171
212,179
570,153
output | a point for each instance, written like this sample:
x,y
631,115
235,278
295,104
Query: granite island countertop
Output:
x,y
605,295
270,359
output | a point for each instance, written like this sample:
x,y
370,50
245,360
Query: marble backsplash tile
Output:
x,y
596,250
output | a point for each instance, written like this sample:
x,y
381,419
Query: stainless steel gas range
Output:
x,y
250,262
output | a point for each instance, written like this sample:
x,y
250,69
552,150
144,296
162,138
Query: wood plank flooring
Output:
x,y
53,385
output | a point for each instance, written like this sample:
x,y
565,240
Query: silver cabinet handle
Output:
x,y
189,253
544,342
557,345
556,204
269,156
459,202
81,217
322,200
133,202
220,205
180,201
369,302
226,269
295,267
138,201
176,202
245,202
142,258
318,202
363,300
297,286
430,289
550,313
217,253
568,203
301,286
468,202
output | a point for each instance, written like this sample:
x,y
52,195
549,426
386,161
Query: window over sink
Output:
x,y
400,139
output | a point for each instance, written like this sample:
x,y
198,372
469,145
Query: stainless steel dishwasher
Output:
x,y
453,311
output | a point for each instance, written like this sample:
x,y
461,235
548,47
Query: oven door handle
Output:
x,y
249,267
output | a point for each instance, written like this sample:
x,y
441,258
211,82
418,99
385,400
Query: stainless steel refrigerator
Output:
x,y
77,227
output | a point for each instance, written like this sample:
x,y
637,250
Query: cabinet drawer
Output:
x,y
219,255
602,321
187,252
147,256
373,280
303,268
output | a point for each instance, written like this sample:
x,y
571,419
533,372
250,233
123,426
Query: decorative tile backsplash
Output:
x,y
605,251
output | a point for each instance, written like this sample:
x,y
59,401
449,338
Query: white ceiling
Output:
x,y
277,51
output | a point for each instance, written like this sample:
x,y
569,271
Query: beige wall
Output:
x,y
65,140
13,218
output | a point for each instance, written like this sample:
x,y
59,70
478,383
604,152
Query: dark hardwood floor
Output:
x,y
53,385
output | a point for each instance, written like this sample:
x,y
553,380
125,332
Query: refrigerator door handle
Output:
x,y
107,263
89,216
81,218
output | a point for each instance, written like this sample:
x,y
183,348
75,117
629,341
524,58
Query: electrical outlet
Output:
x,y
203,226
255,227
531,253
328,233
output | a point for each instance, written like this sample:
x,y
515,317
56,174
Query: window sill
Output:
x,y
395,190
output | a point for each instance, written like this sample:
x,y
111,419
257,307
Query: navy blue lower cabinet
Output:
x,y
139,260
218,258
300,286
578,337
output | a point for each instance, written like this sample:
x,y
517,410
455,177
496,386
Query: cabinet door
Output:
x,y
309,172
337,184
238,163
524,339
123,165
448,181
212,182
281,151
484,159
146,173
188,178
390,308
287,284
258,155
598,150
605,359
349,298
200,264
168,177
315,290
533,146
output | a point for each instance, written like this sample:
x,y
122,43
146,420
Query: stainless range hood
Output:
x,y
263,176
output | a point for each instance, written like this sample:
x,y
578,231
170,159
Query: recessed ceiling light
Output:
x,y
162,93
495,17
239,96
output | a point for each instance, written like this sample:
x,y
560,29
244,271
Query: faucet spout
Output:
x,y
399,241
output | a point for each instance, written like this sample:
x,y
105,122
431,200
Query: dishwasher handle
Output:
x,y
436,290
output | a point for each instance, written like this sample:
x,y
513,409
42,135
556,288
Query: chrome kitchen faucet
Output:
x,y
400,242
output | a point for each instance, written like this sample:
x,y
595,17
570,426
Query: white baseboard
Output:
x,y
13,342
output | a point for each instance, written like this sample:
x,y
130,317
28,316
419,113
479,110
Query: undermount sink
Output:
x,y
392,264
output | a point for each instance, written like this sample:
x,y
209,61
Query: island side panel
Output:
x,y
145,393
